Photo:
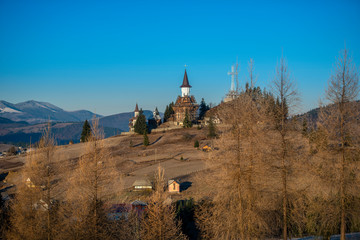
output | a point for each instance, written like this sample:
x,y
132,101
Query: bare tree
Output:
x,y
340,123
284,152
159,220
236,207
35,212
95,182
252,77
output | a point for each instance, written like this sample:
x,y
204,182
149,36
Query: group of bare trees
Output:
x,y
58,199
266,179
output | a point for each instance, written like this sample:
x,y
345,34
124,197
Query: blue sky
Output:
x,y
104,56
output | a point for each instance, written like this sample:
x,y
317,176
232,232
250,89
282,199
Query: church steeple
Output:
x,y
136,112
185,87
185,81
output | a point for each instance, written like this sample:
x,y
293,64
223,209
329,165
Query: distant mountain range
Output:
x,y
38,112
24,121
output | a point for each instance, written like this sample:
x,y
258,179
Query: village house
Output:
x,y
142,185
138,206
173,186
122,210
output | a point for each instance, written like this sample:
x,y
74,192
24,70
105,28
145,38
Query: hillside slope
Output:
x,y
173,150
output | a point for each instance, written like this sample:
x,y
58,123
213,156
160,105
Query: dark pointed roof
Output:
x,y
136,108
185,81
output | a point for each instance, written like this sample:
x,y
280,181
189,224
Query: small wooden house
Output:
x,y
139,206
174,186
141,185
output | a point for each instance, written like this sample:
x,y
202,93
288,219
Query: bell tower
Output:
x,y
185,87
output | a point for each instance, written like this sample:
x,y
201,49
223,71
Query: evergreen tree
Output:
x,y
140,125
196,144
203,109
86,132
171,105
168,111
146,139
212,128
187,123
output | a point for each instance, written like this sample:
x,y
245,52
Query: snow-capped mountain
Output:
x,y
37,112
6,107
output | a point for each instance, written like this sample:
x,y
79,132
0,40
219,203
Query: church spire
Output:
x,y
136,108
185,81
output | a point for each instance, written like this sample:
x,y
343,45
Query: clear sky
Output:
x,y
104,56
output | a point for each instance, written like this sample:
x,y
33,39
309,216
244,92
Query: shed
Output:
x,y
138,205
140,185
174,186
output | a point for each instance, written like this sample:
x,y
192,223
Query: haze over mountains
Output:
x,y
24,121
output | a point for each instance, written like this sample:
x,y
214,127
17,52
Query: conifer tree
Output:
x,y
166,113
212,128
146,139
140,125
169,111
203,109
86,131
187,122
196,144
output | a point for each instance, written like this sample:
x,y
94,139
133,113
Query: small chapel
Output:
x,y
185,104
132,120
